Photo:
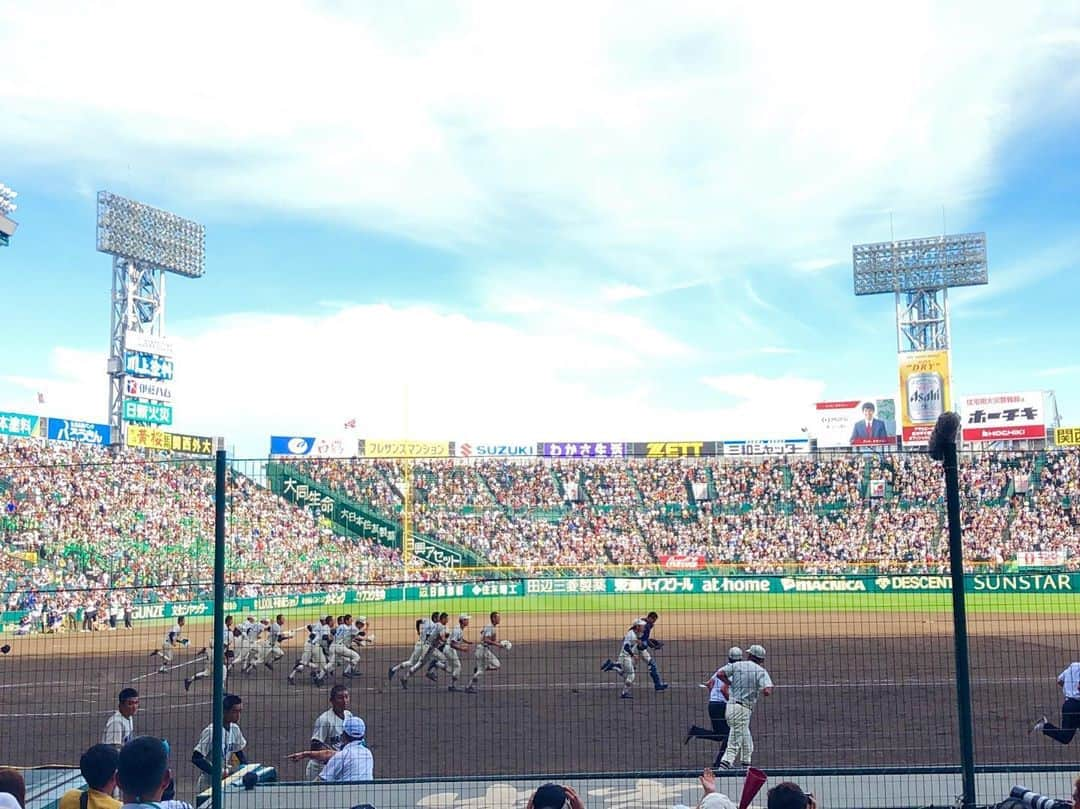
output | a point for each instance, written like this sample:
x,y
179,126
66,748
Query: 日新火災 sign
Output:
x,y
148,412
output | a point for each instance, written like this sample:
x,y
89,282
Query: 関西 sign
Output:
x,y
148,412
149,438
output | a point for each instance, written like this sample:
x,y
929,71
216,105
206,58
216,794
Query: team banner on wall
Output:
x,y
1003,416
79,432
21,425
474,449
1067,436
404,448
924,393
149,438
866,421
148,343
297,445
583,449
675,449
767,446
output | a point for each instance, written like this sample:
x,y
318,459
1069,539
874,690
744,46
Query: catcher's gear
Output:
x,y
506,645
655,644
5,648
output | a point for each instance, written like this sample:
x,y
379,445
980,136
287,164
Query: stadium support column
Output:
x,y
942,447
217,761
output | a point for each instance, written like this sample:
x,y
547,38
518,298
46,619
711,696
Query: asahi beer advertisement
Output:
x,y
924,393
866,421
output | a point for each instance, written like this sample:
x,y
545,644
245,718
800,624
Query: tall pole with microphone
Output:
x,y
942,447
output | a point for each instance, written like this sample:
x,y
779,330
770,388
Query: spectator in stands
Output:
x,y
12,783
787,795
711,798
555,796
143,774
98,767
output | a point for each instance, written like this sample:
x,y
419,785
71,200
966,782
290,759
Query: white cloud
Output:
x,y
1063,370
812,265
623,292
692,132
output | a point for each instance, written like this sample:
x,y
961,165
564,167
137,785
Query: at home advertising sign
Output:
x,y
1003,417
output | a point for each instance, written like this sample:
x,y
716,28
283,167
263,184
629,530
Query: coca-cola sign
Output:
x,y
681,561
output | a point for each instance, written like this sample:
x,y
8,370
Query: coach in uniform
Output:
x,y
120,728
748,681
718,700
328,727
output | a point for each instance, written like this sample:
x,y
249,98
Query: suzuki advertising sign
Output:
x,y
470,449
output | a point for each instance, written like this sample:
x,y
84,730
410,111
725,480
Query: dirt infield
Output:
x,y
853,689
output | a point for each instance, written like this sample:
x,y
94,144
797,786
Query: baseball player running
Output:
x,y
631,648
486,660
208,651
648,645
422,624
275,635
254,648
312,656
718,699
433,654
1069,680
455,648
748,681
174,637
340,647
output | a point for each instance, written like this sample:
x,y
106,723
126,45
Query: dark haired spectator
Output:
x,y
788,795
12,782
98,766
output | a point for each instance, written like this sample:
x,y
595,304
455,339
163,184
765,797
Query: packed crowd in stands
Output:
x,y
79,520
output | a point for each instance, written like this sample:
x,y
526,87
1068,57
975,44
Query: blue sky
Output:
x,y
481,222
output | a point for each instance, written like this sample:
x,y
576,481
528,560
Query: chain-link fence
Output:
x,y
482,618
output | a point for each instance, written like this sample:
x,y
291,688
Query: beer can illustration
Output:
x,y
925,395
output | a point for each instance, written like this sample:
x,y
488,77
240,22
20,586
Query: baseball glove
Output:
x,y
184,641
655,644
506,645
5,648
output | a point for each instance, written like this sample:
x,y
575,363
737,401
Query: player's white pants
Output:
x,y
252,655
273,653
430,652
417,653
209,667
740,744
485,661
453,660
166,653
339,651
312,656
626,662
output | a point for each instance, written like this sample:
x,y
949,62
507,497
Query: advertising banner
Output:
x,y
1003,417
295,445
582,449
20,425
924,393
148,343
404,448
148,412
350,519
139,363
681,561
674,449
149,438
1041,558
149,389
1067,436
767,446
474,449
866,421
80,432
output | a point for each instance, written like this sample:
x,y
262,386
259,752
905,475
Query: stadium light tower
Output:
x,y
7,207
919,273
145,243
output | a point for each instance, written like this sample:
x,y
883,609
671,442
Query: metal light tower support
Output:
x,y
145,243
919,273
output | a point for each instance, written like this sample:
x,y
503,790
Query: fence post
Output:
x,y
942,447
218,673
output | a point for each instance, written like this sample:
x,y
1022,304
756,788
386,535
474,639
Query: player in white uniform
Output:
x,y
340,647
275,635
232,743
328,726
456,647
433,645
254,648
174,637
417,650
208,667
485,651
631,648
312,656
120,729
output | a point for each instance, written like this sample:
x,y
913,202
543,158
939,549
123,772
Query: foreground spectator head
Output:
x,y
787,795
143,770
7,801
555,796
98,767
11,782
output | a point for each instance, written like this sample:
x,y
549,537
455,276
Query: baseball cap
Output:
x,y
734,653
549,796
361,619
464,617
639,622
757,650
355,727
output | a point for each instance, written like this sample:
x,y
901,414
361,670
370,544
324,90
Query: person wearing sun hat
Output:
x,y
353,762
